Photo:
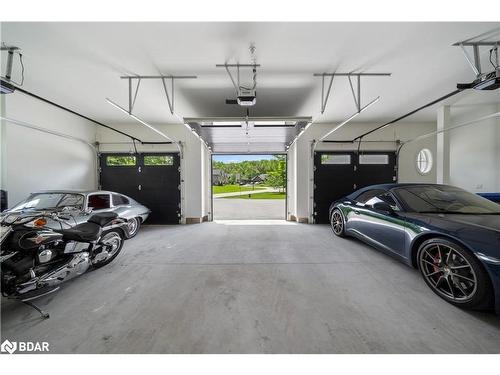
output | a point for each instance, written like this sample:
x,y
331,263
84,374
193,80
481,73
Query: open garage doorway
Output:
x,y
249,187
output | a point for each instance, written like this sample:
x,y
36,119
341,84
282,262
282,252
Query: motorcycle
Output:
x,y
35,259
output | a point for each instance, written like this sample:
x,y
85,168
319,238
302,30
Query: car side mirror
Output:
x,y
384,207
88,210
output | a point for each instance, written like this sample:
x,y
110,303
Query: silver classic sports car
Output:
x,y
77,206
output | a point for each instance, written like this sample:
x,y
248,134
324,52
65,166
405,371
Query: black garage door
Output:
x,y
151,179
337,174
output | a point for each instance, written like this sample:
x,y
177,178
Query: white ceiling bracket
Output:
x,y
131,101
324,99
356,95
170,102
482,40
357,100
170,96
11,50
475,62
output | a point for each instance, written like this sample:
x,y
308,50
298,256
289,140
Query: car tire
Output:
x,y
337,222
133,226
113,236
454,274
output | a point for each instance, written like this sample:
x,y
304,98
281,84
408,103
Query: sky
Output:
x,y
240,158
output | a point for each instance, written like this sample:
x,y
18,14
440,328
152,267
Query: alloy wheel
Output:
x,y
133,225
337,222
448,272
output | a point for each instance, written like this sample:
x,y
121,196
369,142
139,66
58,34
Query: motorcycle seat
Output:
x,y
84,232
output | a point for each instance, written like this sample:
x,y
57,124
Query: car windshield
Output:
x,y
45,201
444,199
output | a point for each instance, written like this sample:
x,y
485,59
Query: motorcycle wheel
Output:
x,y
114,239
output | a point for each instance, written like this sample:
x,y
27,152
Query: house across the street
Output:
x,y
219,177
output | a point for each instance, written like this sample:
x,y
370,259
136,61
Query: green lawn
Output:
x,y
267,195
232,188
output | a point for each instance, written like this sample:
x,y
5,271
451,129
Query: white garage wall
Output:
x,y
33,160
301,161
475,149
195,193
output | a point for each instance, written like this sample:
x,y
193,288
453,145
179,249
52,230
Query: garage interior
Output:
x,y
339,99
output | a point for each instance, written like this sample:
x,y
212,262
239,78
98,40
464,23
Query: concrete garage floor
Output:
x,y
247,209
238,287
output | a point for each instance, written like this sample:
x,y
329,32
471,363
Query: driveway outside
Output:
x,y
247,209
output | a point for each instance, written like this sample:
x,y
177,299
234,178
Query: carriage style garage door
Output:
x,y
340,173
151,179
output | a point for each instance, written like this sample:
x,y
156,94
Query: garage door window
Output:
x,y
99,201
424,161
335,159
120,161
158,160
374,159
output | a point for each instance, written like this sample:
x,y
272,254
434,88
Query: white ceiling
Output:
x,y
78,65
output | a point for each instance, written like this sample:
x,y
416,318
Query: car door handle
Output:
x,y
356,212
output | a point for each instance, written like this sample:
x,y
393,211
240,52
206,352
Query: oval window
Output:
x,y
424,161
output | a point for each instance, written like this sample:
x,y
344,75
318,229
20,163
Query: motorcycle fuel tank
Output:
x,y
32,239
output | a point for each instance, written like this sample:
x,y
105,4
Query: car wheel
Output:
x,y
454,274
133,227
113,240
337,222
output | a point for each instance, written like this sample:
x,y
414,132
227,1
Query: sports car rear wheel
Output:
x,y
133,226
337,222
454,274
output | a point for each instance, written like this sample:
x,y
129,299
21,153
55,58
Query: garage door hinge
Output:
x,y
179,187
355,186
355,168
140,169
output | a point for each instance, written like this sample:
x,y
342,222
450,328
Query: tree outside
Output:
x,y
270,171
